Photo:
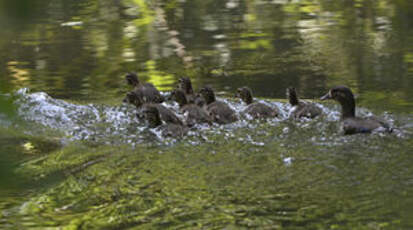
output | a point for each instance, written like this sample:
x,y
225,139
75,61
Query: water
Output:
x,y
73,155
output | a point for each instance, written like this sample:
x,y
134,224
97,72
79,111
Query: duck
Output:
x,y
350,123
166,115
194,113
149,92
301,108
219,111
255,109
152,115
185,84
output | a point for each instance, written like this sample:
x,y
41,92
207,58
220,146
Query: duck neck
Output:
x,y
189,89
154,121
348,108
182,102
248,100
292,97
210,98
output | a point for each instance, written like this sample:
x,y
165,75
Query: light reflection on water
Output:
x,y
264,44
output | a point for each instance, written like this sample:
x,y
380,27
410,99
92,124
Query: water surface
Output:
x,y
72,155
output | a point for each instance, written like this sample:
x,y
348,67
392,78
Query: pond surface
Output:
x,y
72,155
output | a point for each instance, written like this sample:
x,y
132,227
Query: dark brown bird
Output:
x,y
218,110
301,108
152,115
194,113
351,123
149,93
136,98
255,109
185,85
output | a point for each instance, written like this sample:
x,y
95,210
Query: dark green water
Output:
x,y
77,159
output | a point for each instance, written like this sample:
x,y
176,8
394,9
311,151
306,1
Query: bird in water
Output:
x,y
148,91
194,114
166,115
350,123
255,109
218,110
301,108
152,115
185,84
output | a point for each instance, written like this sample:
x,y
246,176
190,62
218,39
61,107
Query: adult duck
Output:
x,y
351,123
194,114
301,108
149,92
255,109
218,110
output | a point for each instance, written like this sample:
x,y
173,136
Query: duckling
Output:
x,y
185,85
218,110
195,114
351,123
152,114
301,108
255,109
149,92
136,98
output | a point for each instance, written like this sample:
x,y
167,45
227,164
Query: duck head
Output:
x,y
245,94
132,79
208,94
199,100
134,98
152,116
178,95
345,97
184,83
292,96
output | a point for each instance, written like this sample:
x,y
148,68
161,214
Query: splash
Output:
x,y
119,124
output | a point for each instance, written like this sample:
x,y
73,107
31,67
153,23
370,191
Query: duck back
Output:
x,y
221,112
304,109
354,125
195,115
150,93
258,110
166,114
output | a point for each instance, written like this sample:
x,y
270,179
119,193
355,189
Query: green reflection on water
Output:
x,y
228,183
311,45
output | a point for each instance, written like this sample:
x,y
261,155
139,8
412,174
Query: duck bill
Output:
x,y
325,97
